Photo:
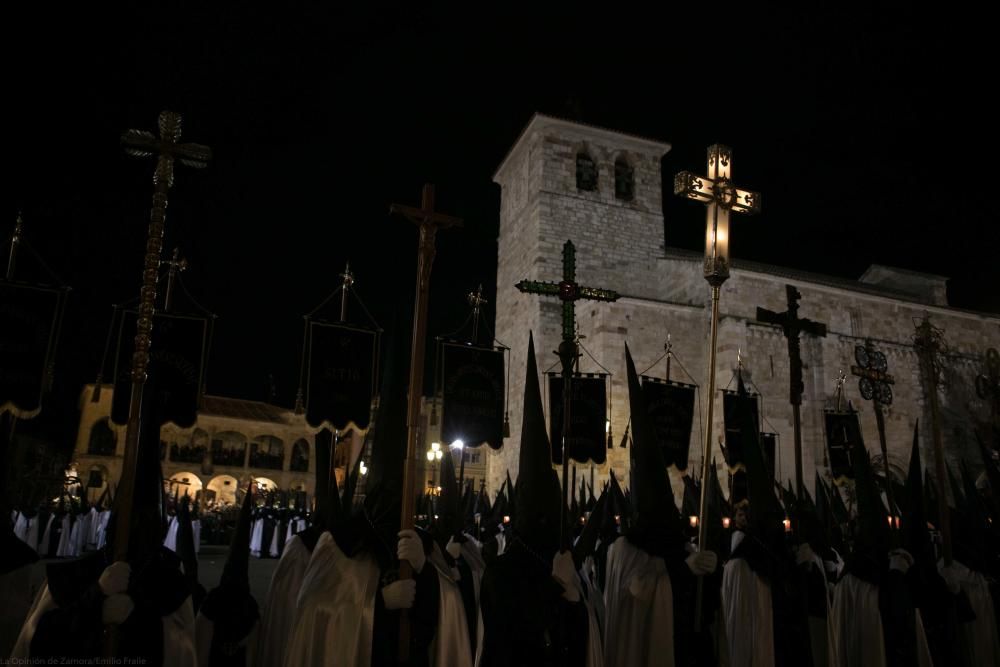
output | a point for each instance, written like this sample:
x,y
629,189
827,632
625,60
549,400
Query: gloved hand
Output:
x,y
411,549
115,578
834,567
702,562
564,571
453,548
400,594
900,559
952,578
116,609
804,554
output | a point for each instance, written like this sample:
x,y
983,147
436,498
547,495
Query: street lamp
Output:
x,y
720,197
460,446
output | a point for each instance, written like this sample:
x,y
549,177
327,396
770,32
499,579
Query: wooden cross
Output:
x,y
930,345
793,325
721,196
428,221
569,292
872,369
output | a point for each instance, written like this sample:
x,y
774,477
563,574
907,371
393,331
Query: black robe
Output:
x,y
423,617
525,617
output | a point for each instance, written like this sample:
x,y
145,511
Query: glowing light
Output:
x,y
435,446
458,444
430,456
607,425
364,468
725,522
506,518
787,523
693,520
437,455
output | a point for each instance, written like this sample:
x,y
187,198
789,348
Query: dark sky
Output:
x,y
870,134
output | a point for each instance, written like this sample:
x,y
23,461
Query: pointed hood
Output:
x,y
511,498
931,499
236,574
716,508
871,541
691,501
384,481
827,518
916,539
148,521
449,521
323,456
186,552
656,524
537,501
591,532
765,514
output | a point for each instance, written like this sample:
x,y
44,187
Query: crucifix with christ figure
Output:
x,y
569,292
792,325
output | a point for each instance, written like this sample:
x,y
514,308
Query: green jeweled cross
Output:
x,y
568,291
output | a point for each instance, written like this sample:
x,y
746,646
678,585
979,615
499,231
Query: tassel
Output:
x,y
611,442
624,443
506,425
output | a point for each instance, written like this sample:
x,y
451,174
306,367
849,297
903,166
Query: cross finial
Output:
x,y
140,143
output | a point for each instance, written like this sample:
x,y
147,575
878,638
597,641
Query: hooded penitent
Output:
x,y
185,549
916,539
384,481
656,525
871,540
230,606
537,501
449,517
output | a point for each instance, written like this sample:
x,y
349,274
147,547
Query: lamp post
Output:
x,y
434,454
720,196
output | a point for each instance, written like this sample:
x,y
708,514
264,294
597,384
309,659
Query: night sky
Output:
x,y
870,135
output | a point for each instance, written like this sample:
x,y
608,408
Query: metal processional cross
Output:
x,y
873,382
793,325
569,292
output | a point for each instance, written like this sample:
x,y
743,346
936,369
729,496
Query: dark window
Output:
x,y
300,456
624,180
268,453
102,439
586,172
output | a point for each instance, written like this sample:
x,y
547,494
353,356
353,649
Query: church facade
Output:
x,y
602,190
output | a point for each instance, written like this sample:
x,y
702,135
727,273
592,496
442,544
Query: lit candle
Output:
x,y
693,520
618,519
788,525
506,518
725,522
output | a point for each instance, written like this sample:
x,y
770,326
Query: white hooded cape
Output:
x,y
639,606
335,611
747,613
279,606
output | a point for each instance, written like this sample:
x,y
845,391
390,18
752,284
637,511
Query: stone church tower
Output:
x,y
602,189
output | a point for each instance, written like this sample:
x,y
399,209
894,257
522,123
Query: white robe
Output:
x,y
21,527
594,599
979,635
178,632
857,624
451,647
278,611
256,536
638,597
472,552
170,541
43,544
747,613
335,611
64,550
196,531
273,550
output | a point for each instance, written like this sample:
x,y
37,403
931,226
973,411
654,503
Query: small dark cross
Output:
x,y
793,325
175,265
568,291
477,301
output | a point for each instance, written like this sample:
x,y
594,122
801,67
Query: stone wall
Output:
x,y
620,246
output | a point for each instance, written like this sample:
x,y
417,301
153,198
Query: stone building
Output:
x,y
602,189
232,441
